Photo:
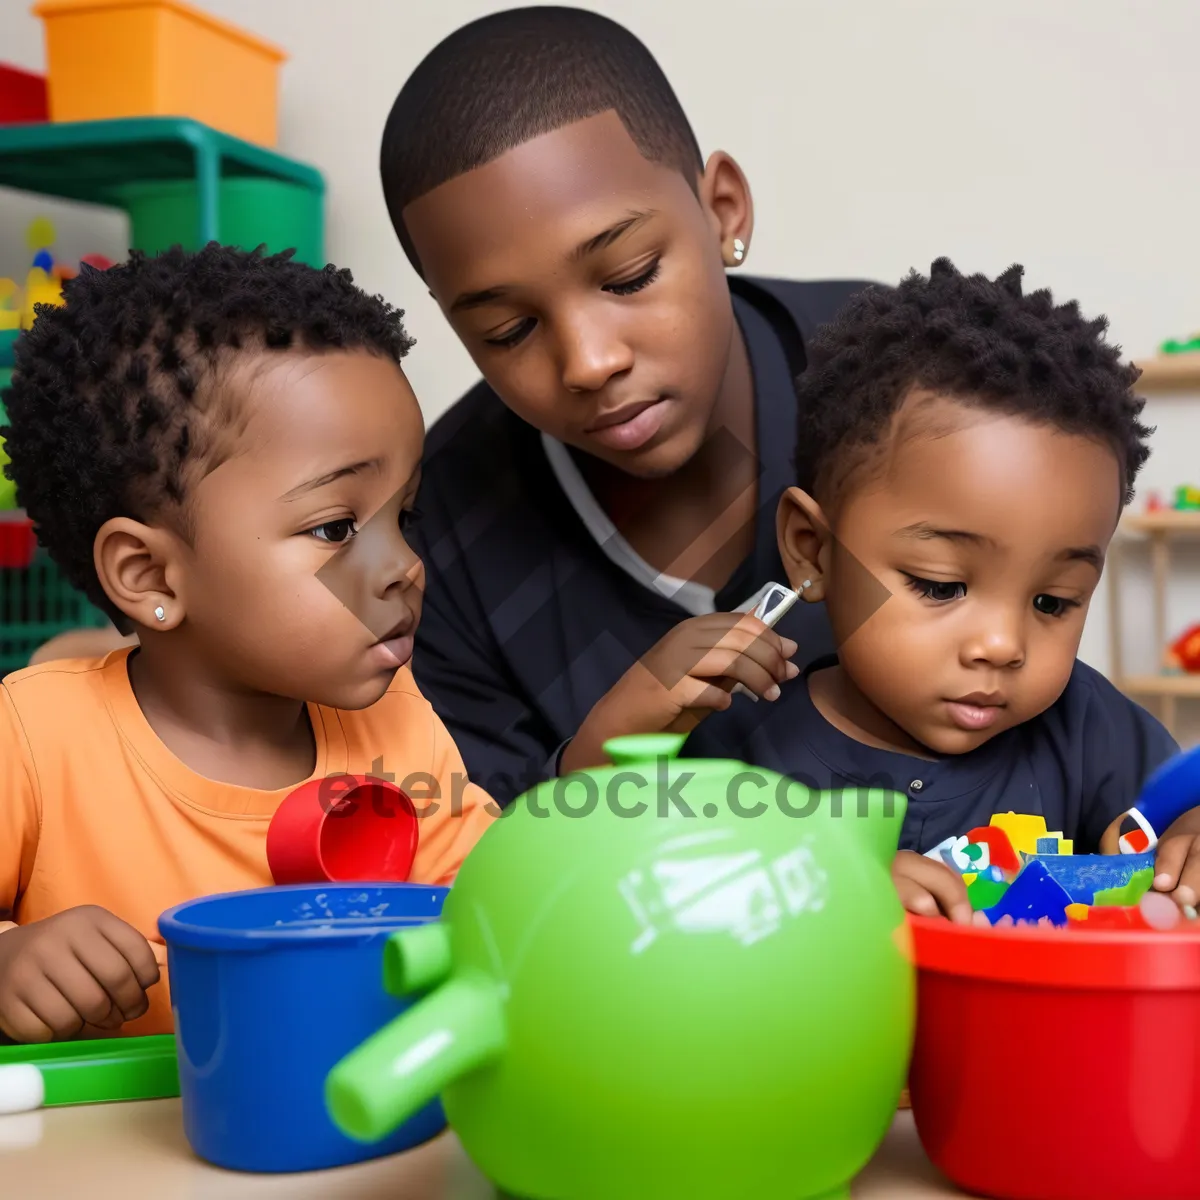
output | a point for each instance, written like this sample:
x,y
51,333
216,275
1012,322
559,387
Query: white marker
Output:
x,y
768,604
22,1088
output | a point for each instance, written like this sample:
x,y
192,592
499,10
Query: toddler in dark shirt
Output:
x,y
964,455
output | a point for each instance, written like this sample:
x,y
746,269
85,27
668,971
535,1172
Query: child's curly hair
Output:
x,y
116,406
978,340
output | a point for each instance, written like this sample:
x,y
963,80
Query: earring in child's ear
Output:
x,y
806,585
739,250
160,613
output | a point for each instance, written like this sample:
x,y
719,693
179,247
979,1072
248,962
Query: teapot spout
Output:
x,y
396,1072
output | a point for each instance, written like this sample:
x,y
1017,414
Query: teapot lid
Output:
x,y
643,747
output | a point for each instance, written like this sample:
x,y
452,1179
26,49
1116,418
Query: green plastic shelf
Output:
x,y
93,160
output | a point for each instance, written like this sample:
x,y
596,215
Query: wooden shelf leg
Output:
x,y
1116,663
1170,713
1161,568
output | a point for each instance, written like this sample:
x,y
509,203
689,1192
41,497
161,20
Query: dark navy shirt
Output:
x,y
527,622
1079,765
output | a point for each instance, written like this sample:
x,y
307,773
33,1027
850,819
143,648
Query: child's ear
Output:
x,y
725,194
140,571
804,543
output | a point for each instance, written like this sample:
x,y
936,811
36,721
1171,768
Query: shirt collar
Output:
x,y
947,777
775,423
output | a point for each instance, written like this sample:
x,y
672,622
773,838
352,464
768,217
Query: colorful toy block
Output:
x,y
1085,874
985,893
1032,895
1000,848
1129,894
1023,830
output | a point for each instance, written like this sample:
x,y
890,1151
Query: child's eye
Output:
x,y
936,589
517,334
626,287
408,518
1053,606
337,532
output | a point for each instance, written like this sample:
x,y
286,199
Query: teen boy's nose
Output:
x,y
591,351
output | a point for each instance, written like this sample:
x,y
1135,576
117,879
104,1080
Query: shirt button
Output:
x,y
915,786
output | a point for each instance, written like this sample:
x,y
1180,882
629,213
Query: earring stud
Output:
x,y
806,585
160,613
739,250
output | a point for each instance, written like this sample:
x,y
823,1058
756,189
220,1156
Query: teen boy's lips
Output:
x,y
979,710
629,427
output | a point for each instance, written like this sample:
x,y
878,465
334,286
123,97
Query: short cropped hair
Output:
x,y
116,405
505,79
971,338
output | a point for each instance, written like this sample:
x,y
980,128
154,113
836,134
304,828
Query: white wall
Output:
x,y
877,136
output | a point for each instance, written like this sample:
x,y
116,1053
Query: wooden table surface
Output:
x,y
123,1151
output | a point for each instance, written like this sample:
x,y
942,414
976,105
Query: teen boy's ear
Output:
x,y
725,195
805,543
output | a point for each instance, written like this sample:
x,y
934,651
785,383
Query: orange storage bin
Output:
x,y
159,58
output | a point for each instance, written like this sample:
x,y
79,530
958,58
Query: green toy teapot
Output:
x,y
658,979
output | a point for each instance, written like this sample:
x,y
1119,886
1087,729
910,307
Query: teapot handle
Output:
x,y
416,959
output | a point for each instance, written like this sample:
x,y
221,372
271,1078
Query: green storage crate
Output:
x,y
8,489
37,604
182,171
251,212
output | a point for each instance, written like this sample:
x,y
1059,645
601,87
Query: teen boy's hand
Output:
x,y
1177,863
684,677
930,888
80,967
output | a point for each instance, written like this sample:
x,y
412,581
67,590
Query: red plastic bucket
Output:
x,y
1059,1065
343,829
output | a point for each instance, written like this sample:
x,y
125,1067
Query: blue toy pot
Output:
x,y
270,988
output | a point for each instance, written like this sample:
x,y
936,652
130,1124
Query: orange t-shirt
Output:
x,y
94,809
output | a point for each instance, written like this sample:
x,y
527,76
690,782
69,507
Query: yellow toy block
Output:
x,y
1077,912
1023,830
40,288
970,877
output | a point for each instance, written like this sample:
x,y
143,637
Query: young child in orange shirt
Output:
x,y
222,451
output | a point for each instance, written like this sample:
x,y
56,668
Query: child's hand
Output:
x,y
929,888
79,967
1177,862
684,677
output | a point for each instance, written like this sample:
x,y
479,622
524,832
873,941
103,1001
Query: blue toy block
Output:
x,y
1034,894
1047,845
1083,875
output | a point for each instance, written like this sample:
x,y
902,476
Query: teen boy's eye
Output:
x,y
936,589
1053,606
627,287
337,532
512,337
